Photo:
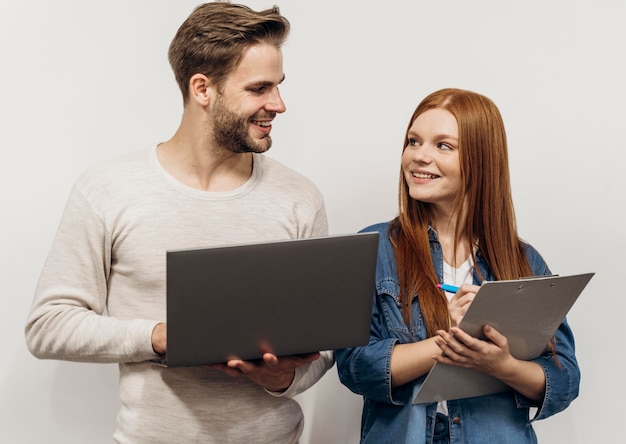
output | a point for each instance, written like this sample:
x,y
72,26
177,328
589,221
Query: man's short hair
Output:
x,y
212,40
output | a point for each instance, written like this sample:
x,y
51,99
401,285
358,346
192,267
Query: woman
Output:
x,y
456,225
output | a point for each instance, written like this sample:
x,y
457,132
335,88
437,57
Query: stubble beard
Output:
x,y
230,131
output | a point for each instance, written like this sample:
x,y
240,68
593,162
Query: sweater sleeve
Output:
x,y
67,318
307,375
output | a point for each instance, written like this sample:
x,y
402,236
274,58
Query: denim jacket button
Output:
x,y
456,420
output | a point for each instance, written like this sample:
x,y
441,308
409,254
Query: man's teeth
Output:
x,y
262,124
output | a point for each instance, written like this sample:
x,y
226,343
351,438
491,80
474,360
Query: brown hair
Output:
x,y
212,40
484,197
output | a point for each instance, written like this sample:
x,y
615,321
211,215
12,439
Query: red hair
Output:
x,y
485,198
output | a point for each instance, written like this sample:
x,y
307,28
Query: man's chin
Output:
x,y
261,146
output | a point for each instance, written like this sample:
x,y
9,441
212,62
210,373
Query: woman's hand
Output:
x,y
492,356
460,302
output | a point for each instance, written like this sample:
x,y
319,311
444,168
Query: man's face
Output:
x,y
242,114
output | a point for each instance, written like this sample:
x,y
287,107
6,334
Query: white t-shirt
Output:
x,y
456,277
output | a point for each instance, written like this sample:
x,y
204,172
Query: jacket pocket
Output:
x,y
388,293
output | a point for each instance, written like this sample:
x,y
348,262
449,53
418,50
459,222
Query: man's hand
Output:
x,y
159,339
273,373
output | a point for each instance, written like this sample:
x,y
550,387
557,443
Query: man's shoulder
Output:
x,y
116,177
115,167
279,173
270,164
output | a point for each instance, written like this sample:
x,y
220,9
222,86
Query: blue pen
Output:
x,y
448,288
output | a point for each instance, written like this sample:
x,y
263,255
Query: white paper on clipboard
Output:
x,y
526,311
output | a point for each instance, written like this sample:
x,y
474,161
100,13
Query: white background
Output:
x,y
86,81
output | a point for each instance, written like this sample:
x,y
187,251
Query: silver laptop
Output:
x,y
286,297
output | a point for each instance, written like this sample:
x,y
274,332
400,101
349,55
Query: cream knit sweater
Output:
x,y
102,291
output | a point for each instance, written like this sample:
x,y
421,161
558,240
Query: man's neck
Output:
x,y
191,161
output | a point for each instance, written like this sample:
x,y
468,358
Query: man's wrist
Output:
x,y
281,388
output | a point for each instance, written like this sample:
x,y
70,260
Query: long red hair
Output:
x,y
484,198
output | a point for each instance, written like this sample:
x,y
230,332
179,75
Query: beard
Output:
x,y
230,131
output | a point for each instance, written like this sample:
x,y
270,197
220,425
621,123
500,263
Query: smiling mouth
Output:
x,y
262,123
424,176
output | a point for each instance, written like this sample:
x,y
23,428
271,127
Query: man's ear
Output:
x,y
201,90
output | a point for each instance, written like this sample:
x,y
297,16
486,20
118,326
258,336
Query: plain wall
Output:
x,y
86,81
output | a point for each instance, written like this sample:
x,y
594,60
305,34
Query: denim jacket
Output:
x,y
389,416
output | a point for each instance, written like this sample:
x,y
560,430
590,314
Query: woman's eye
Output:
x,y
444,146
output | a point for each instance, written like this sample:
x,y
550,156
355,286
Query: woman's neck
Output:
x,y
455,250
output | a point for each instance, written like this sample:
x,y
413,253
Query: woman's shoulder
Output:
x,y
536,261
380,227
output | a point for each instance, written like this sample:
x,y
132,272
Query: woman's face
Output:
x,y
430,161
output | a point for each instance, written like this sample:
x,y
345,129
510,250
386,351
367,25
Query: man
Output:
x,y
208,185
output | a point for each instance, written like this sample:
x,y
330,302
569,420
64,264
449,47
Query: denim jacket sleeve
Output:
x,y
562,374
367,370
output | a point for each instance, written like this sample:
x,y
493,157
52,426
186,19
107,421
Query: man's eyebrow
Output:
x,y
265,83
281,80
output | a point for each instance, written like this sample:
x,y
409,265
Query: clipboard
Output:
x,y
527,311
